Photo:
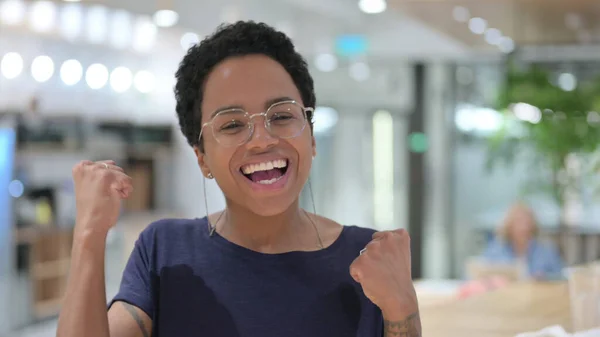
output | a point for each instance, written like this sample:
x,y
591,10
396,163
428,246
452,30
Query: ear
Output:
x,y
314,146
201,156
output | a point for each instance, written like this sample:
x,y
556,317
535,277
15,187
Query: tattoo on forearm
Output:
x,y
131,309
410,327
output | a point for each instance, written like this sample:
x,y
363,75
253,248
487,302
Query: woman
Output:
x,y
517,242
263,266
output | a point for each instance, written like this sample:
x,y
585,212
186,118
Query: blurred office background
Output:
x,y
408,105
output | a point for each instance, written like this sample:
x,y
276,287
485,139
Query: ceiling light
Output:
x,y
12,12
188,40
493,36
477,25
372,6
97,24
121,79
461,14
165,18
42,15
11,65
506,45
71,21
360,71
71,72
326,62
42,68
144,81
96,76
144,35
120,32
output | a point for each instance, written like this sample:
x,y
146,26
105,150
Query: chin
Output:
x,y
271,206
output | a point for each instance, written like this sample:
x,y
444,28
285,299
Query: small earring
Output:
x,y
209,175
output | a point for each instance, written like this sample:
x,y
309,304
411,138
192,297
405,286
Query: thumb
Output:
x,y
121,186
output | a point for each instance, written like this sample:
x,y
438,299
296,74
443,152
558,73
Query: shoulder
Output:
x,y
359,235
332,230
169,229
169,241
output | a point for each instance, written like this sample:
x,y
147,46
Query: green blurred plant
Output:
x,y
567,126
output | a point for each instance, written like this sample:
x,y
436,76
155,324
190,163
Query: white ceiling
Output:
x,y
527,22
313,24
393,39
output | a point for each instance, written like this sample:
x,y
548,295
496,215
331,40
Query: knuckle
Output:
x,y
103,174
373,249
79,166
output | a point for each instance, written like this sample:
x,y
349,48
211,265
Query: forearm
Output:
x,y
84,308
402,325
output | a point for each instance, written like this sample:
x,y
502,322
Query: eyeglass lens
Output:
x,y
234,127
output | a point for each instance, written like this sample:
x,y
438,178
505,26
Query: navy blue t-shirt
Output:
x,y
192,284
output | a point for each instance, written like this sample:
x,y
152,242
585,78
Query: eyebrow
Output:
x,y
266,105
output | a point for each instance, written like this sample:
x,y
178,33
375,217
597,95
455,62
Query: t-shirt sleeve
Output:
x,y
136,284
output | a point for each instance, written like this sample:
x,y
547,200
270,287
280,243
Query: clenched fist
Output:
x,y
383,270
99,189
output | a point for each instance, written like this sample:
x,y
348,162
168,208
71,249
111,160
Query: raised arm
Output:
x,y
99,189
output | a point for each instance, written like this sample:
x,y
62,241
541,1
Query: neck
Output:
x,y
290,230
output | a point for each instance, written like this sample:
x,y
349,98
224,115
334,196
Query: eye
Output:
x,y
281,117
231,125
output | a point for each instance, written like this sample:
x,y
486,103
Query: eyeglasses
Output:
x,y
233,127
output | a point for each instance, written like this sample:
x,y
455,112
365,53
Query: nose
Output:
x,y
260,138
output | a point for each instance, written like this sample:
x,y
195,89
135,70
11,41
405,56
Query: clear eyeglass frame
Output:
x,y
250,126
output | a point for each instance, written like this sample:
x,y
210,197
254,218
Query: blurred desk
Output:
x,y
432,292
520,307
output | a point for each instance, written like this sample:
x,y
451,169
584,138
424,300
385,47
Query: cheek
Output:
x,y
218,161
305,150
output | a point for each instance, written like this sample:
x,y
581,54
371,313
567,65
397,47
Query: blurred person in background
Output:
x,y
263,266
517,242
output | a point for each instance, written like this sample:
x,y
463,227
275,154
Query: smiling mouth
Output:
x,y
265,173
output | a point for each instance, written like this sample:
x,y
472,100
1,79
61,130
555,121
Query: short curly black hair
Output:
x,y
237,39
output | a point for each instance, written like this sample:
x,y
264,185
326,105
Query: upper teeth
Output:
x,y
269,165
